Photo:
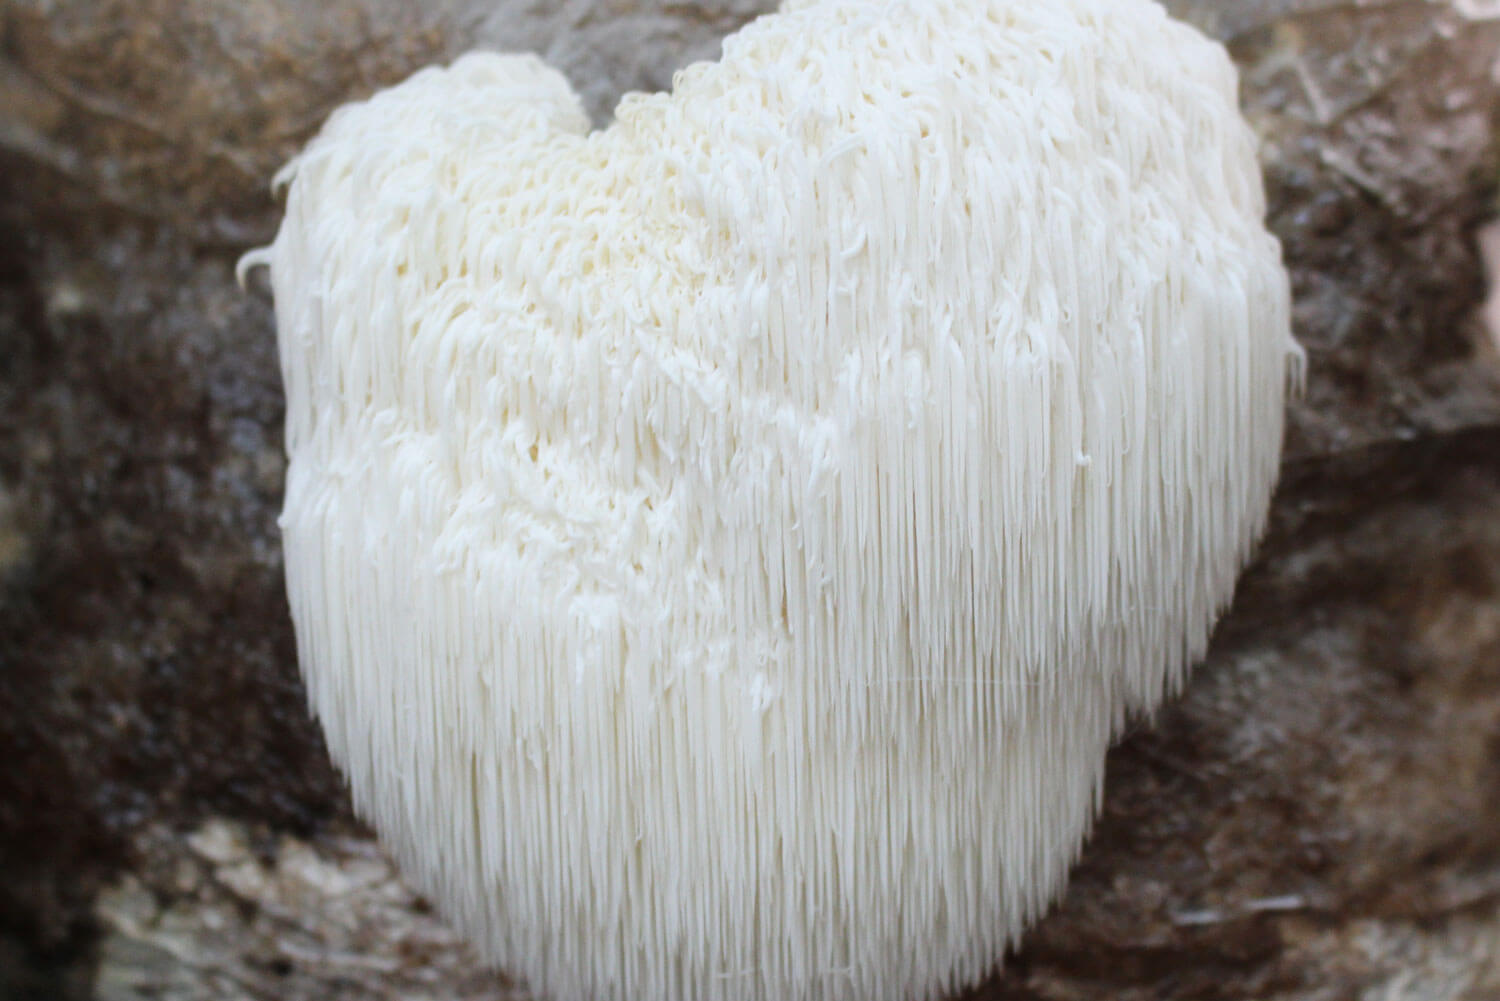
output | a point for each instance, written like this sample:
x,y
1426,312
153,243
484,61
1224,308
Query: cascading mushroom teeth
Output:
x,y
722,545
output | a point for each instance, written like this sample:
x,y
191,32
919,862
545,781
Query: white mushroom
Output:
x,y
723,545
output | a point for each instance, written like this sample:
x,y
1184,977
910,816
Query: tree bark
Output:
x,y
1318,816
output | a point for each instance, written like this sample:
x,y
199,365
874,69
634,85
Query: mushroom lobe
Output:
x,y
723,545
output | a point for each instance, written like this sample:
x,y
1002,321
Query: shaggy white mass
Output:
x,y
723,545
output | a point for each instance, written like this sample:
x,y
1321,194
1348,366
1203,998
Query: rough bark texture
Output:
x,y
1317,817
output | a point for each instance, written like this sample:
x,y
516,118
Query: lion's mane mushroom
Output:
x,y
722,545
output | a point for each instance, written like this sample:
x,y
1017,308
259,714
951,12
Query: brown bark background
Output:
x,y
1318,817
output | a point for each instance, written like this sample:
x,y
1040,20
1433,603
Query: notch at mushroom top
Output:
x,y
723,545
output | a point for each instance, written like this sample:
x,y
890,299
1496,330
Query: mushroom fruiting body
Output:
x,y
723,545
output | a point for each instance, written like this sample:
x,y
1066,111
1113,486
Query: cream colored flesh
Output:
x,y
723,545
